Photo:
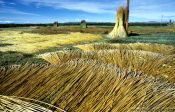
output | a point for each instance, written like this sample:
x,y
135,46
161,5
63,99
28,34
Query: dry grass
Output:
x,y
157,48
85,85
31,43
147,62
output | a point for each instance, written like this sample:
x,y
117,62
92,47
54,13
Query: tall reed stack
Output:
x,y
121,26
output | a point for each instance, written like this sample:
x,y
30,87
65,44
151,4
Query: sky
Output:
x,y
48,11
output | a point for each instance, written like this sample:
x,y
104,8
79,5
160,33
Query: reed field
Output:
x,y
30,43
82,71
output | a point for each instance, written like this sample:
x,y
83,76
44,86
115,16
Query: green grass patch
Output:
x,y
160,38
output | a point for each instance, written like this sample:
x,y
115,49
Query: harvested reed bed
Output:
x,y
85,85
150,63
156,48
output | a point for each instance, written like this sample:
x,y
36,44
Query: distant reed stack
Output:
x,y
56,24
83,24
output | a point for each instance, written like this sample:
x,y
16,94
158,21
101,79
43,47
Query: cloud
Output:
x,y
85,6
10,10
140,10
12,3
5,22
145,9
152,10
2,2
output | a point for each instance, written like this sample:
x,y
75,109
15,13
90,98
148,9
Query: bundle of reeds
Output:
x,y
85,85
83,24
56,24
119,30
147,62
